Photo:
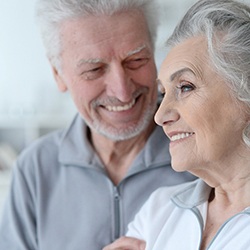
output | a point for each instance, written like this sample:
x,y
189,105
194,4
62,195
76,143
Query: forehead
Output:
x,y
93,35
191,54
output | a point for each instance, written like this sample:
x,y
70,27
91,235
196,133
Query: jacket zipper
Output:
x,y
117,213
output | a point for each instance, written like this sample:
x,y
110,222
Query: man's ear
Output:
x,y
59,80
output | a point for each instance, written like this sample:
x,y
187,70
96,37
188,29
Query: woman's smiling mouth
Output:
x,y
179,136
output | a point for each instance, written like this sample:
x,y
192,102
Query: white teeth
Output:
x,y
121,108
180,136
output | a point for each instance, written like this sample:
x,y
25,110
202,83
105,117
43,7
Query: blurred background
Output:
x,y
30,104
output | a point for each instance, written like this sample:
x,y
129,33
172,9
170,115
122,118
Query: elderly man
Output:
x,y
79,188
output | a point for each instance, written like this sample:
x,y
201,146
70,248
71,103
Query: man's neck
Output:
x,y
117,156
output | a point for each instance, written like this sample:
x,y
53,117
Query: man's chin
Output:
x,y
119,134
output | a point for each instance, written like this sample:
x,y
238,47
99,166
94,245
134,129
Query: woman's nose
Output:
x,y
166,113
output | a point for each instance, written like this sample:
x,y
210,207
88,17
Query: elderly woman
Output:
x,y
205,112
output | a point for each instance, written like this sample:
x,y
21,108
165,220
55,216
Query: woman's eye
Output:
x,y
185,87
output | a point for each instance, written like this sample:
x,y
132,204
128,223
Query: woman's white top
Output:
x,y
174,218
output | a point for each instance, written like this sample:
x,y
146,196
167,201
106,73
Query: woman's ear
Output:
x,y
59,80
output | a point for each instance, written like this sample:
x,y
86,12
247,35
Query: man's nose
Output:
x,y
119,83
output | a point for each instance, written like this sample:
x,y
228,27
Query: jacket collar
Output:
x,y
192,195
75,149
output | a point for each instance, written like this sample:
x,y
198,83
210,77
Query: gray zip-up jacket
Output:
x,y
62,199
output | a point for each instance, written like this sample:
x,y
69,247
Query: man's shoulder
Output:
x,y
46,142
43,149
49,143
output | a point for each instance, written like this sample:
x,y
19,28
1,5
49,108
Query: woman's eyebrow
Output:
x,y
179,73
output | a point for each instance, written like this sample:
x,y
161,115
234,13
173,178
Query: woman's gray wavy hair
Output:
x,y
51,13
226,26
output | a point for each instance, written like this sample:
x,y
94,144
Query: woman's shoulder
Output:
x,y
160,200
155,212
168,191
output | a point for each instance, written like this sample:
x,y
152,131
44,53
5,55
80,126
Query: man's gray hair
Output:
x,y
226,26
51,13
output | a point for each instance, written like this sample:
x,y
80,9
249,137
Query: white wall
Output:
x,y
25,78
28,96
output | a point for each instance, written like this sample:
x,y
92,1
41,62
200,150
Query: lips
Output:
x,y
121,107
178,136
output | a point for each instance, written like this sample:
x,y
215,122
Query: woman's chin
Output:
x,y
179,166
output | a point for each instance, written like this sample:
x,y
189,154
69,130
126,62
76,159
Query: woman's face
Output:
x,y
199,115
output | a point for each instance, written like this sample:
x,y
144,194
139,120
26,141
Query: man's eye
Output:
x,y
93,73
136,63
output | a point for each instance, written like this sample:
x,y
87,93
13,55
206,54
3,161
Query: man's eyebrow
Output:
x,y
137,50
179,73
92,60
99,60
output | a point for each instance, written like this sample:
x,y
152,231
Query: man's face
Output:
x,y
107,65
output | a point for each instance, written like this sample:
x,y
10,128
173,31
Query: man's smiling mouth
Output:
x,y
121,107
